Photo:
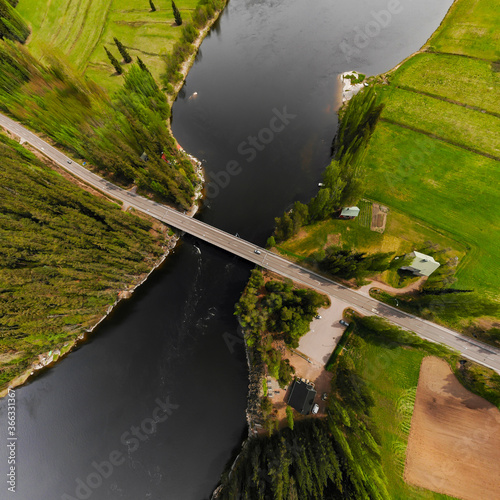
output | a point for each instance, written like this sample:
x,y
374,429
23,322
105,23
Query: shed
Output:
x,y
302,396
349,213
422,265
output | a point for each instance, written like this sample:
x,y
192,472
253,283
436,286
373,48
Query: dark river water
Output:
x,y
262,121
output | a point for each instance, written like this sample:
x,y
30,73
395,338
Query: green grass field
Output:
x,y
467,81
446,187
435,159
402,235
471,28
80,28
477,131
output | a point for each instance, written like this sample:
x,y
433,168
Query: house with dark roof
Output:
x,y
302,396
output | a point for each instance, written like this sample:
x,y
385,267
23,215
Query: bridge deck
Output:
x,y
476,351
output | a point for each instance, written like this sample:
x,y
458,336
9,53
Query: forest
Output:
x,y
64,256
275,311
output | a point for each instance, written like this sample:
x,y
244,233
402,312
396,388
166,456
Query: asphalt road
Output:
x,y
471,349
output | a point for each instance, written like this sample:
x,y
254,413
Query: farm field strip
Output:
x,y
461,79
471,28
475,130
454,443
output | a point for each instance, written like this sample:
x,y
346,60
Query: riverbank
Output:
x,y
51,357
416,149
174,92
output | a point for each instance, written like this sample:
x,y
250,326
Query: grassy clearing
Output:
x,y
472,129
468,81
471,28
73,26
79,29
448,188
401,235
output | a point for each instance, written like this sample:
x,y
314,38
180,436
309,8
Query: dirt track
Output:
x,y
454,443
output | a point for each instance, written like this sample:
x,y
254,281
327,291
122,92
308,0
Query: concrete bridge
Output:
x,y
471,349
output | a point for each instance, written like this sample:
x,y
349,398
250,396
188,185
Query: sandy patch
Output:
x,y
313,372
454,442
349,90
9,356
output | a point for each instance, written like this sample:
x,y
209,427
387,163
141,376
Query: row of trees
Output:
x,y
111,134
348,264
123,52
204,11
276,311
12,25
344,178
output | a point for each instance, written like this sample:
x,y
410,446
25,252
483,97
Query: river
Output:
x,y
259,109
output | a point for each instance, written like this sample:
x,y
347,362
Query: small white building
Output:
x,y
422,265
349,213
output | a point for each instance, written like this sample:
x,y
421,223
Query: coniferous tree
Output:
x,y
123,51
177,14
142,65
12,26
114,61
153,8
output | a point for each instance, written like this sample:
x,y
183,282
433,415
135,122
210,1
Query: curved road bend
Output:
x,y
474,350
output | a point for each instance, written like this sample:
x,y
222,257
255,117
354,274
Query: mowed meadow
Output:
x,y
435,153
80,28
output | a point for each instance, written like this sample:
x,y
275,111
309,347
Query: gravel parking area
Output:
x,y
325,333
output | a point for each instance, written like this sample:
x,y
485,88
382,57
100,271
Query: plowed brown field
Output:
x,y
454,442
